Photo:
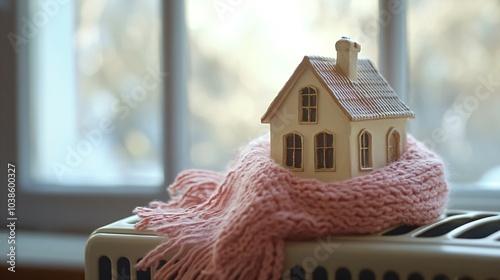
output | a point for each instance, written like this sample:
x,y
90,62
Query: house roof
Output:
x,y
369,98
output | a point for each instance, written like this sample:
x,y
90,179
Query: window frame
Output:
x,y
309,108
393,131
368,149
294,149
324,148
40,205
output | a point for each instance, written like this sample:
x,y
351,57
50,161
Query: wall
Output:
x,y
330,118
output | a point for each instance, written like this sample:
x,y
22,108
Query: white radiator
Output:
x,y
461,245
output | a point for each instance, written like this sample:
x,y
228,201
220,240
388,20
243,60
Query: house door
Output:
x,y
393,146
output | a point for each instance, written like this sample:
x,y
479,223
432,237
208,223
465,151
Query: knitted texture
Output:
x,y
234,225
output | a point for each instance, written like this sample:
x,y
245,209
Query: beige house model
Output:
x,y
337,118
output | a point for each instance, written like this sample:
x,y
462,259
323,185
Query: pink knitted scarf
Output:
x,y
234,225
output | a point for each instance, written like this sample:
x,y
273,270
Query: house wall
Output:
x,y
330,118
379,130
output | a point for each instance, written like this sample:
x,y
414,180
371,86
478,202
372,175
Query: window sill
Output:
x,y
47,250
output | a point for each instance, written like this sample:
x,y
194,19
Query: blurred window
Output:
x,y
455,84
95,92
243,52
95,87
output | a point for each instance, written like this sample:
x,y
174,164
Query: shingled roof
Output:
x,y
369,98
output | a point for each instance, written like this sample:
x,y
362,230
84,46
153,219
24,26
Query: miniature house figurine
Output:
x,y
337,118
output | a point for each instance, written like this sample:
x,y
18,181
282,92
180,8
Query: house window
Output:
x,y
325,151
392,145
365,150
308,104
293,151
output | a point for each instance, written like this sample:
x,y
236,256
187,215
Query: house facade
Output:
x,y
337,118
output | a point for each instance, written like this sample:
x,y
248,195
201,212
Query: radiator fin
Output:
x,y
367,274
400,230
451,224
343,273
481,231
104,268
320,273
123,268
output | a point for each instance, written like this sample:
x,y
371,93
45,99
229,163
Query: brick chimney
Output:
x,y
347,57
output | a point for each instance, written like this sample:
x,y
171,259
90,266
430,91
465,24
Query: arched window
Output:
x,y
293,151
365,150
325,151
308,105
393,145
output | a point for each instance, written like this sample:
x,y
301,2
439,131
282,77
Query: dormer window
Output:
x,y
308,105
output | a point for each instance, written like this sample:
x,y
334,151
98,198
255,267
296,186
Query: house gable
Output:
x,y
370,97
330,119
